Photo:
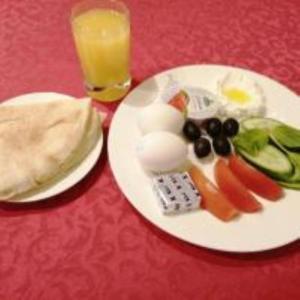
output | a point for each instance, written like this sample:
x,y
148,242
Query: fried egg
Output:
x,y
240,96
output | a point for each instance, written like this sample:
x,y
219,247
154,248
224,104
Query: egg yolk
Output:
x,y
237,96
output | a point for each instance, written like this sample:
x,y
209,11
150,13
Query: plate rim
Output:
x,y
96,151
125,191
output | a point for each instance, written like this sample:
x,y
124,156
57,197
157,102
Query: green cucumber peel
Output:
x,y
287,136
293,157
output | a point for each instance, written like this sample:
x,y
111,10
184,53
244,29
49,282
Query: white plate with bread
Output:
x,y
48,143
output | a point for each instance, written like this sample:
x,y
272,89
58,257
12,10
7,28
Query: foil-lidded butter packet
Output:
x,y
202,104
176,193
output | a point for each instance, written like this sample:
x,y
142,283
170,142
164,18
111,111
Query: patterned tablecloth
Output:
x,y
89,243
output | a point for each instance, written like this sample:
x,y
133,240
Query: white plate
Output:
x,y
72,177
278,224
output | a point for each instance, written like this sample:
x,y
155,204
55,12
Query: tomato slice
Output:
x,y
179,101
234,189
213,199
255,180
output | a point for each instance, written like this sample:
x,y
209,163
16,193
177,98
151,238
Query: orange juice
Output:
x,y
102,38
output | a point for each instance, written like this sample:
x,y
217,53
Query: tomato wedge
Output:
x,y
213,199
179,101
233,188
255,180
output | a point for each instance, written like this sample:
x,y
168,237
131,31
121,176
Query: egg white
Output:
x,y
160,117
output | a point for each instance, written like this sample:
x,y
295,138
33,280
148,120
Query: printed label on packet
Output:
x,y
176,193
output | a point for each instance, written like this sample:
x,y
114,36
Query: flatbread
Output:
x,y
40,141
90,139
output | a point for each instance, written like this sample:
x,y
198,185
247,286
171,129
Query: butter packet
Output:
x,y
176,193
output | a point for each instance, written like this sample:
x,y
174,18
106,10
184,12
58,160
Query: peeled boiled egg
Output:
x,y
240,96
161,151
160,117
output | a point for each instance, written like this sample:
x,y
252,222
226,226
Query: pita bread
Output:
x,y
40,141
90,138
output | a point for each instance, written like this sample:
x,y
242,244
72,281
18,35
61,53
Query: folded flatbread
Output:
x,y
41,141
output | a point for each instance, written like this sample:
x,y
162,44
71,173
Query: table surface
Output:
x,y
89,243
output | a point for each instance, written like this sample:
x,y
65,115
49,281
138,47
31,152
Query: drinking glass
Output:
x,y
101,30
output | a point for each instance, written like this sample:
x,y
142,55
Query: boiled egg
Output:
x,y
240,96
161,151
160,117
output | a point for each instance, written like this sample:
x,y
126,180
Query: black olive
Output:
x,y
213,127
230,127
202,147
221,145
191,131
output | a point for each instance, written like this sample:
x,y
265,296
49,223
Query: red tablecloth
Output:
x,y
89,243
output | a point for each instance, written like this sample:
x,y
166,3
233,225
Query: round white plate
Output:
x,y
278,224
72,177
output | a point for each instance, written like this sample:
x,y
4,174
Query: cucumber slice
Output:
x,y
271,161
287,136
290,185
293,157
260,123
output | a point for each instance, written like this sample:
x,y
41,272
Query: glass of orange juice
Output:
x,y
101,30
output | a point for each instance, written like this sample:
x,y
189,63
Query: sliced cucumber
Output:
x,y
278,161
287,136
271,161
260,123
290,185
293,157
